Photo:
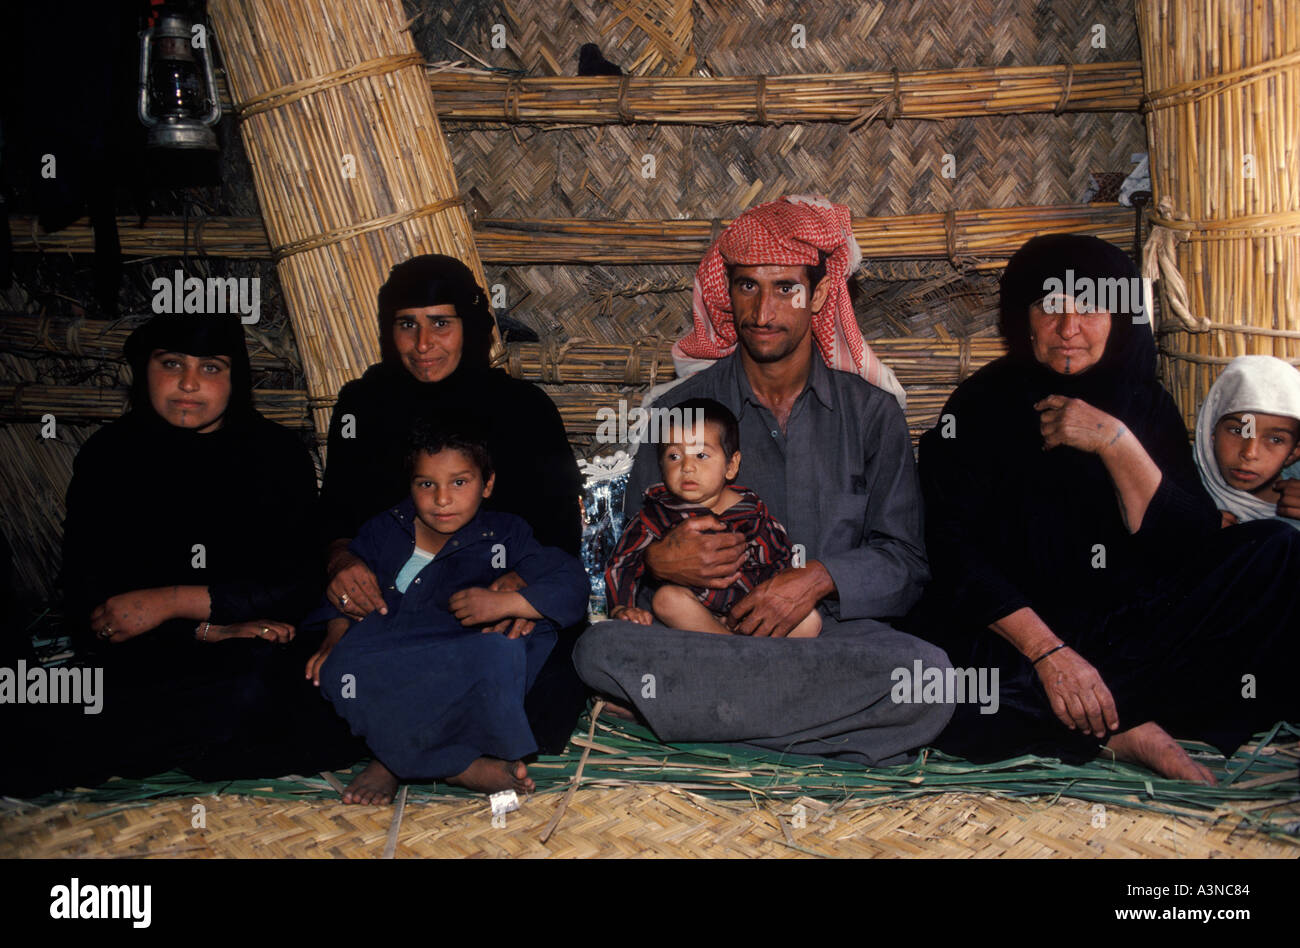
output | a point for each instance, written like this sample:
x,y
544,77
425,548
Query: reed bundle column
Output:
x,y
351,168
1223,123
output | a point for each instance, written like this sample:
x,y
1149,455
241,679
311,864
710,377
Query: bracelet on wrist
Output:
x,y
1056,648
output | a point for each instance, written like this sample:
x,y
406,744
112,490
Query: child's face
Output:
x,y
447,488
1253,463
697,470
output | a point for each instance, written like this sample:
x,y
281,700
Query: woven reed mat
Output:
x,y
628,821
636,796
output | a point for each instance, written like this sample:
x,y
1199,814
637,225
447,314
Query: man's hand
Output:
x,y
127,615
511,628
1073,422
700,551
1288,504
632,614
776,606
353,586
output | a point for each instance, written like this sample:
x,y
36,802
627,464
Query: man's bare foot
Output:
x,y
618,711
490,774
374,786
1151,746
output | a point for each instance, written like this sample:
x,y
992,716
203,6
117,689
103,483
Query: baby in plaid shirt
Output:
x,y
698,463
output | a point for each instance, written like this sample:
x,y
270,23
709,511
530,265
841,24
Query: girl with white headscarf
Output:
x,y
1248,436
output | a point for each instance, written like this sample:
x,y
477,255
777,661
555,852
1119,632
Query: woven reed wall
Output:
x,y
701,172
707,172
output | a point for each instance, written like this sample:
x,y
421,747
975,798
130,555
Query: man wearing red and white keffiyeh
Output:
x,y
792,231
829,453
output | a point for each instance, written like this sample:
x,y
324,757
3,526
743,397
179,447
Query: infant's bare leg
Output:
x,y
809,628
677,608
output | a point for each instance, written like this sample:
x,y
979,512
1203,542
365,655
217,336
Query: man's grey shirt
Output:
x,y
841,479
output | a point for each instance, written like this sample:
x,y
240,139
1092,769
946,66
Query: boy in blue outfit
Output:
x,y
432,689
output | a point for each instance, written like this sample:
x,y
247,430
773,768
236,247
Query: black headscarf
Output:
x,y
1125,376
196,335
433,280
537,477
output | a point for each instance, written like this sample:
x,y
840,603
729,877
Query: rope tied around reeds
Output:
x,y
1279,224
198,236
1065,89
340,234
760,95
895,103
963,359
1160,262
512,100
624,113
551,356
293,91
632,367
891,104
1191,90
950,235
1159,257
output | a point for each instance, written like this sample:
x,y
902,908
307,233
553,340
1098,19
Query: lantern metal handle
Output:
x,y
146,41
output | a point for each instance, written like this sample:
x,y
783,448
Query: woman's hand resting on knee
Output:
x,y
1079,697
267,630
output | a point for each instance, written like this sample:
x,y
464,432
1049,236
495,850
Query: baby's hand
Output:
x,y
632,614
478,606
1288,504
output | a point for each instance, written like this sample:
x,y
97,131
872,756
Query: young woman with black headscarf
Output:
x,y
1075,552
189,552
435,333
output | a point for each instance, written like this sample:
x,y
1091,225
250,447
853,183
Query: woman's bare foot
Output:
x,y
490,774
1151,746
374,786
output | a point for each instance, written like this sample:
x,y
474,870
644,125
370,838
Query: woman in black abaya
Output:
x,y
1074,550
188,554
435,332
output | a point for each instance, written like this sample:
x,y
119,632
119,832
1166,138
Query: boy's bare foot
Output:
x,y
490,774
1151,746
374,786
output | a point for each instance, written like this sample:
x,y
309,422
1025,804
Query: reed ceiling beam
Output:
x,y
579,410
982,238
852,97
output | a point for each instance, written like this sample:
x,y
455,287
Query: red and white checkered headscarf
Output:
x,y
787,232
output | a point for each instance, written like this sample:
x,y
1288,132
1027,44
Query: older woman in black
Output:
x,y
435,331
1075,551
188,555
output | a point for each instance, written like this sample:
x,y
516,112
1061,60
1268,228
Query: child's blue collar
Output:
x,y
404,511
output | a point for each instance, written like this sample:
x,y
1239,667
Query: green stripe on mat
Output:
x,y
1260,783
